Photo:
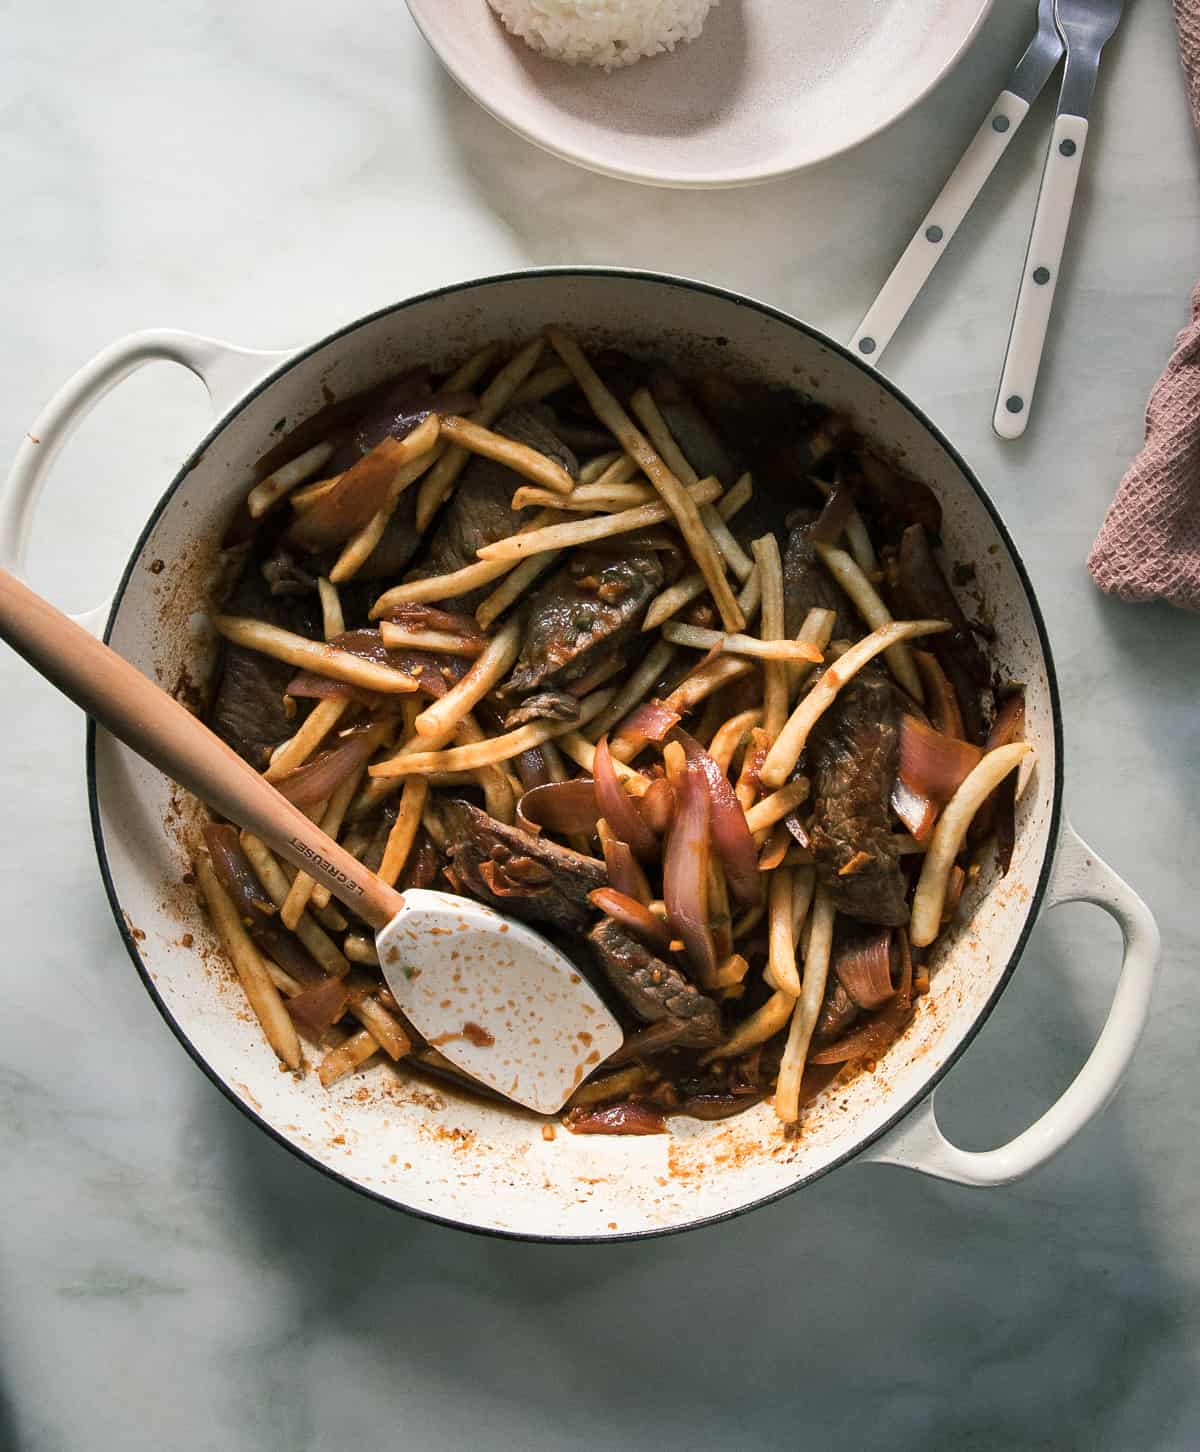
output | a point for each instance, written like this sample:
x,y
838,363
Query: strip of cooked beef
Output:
x,y
853,754
807,584
586,609
480,510
545,706
248,711
923,593
696,437
518,873
654,990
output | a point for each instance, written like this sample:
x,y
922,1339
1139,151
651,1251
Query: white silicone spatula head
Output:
x,y
493,996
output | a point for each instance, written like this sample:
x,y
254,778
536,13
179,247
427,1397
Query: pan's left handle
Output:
x,y
225,370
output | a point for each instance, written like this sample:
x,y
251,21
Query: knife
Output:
x,y
1085,26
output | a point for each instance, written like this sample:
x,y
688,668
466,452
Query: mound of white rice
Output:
x,y
606,33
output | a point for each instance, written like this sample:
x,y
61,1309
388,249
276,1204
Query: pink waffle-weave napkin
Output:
x,y
1149,545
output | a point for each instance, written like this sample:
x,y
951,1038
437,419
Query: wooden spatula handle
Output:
x,y
158,728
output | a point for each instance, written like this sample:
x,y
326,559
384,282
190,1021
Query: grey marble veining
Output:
x,y
171,1279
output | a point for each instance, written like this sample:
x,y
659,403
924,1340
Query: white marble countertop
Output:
x,y
171,1279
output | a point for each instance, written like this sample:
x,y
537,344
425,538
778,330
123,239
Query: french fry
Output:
x,y
513,587
439,719
359,549
778,805
781,931
361,546
404,828
600,465
360,949
692,585
457,582
817,631
762,1025
614,1086
381,1025
949,834
681,505
859,542
790,742
708,678
266,494
543,471
867,602
808,1006
730,735
499,797
588,498
698,638
400,637
276,885
650,670
542,384
261,993
313,655
440,480
583,752
586,531
333,622
319,722
771,618
488,753
347,1057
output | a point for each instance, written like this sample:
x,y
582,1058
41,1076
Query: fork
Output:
x,y
1085,27
966,181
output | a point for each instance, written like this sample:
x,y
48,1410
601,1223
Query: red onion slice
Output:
x,y
933,765
863,964
562,806
318,1008
685,872
618,808
634,917
319,778
731,836
624,871
616,1119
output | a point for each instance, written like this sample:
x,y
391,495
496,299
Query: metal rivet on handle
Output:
x,y
999,123
1015,403
866,345
1041,274
934,233
1067,147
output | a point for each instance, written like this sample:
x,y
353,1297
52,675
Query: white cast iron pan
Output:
x,y
463,1162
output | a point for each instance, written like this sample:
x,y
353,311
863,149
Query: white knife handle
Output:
x,y
941,222
1047,241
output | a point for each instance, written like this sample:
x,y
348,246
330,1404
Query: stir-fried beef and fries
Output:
x,y
666,666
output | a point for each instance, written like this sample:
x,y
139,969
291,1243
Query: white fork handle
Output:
x,y
917,1143
225,370
1035,298
941,222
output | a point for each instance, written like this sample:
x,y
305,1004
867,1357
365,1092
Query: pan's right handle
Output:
x,y
226,371
917,1143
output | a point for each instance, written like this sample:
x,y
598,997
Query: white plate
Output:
x,y
769,87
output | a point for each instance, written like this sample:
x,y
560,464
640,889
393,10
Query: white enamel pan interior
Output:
x,y
426,1149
